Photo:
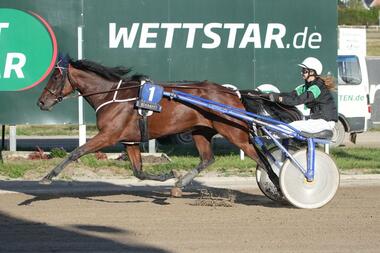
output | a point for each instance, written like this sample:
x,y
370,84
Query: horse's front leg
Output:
x,y
99,141
134,155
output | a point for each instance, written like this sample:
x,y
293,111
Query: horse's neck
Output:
x,y
92,85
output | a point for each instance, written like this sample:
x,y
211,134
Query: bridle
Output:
x,y
57,93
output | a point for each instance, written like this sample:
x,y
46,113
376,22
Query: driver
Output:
x,y
315,93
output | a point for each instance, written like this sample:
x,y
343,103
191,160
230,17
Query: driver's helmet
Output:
x,y
313,64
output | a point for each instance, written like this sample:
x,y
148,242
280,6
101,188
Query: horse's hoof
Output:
x,y
176,192
45,181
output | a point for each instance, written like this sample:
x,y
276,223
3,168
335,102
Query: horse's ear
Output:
x,y
64,60
60,57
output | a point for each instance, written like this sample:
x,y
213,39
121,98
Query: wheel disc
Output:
x,y
303,194
267,187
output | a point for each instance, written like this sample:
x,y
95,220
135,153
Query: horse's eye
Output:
x,y
57,77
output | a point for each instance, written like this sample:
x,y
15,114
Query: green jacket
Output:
x,y
315,96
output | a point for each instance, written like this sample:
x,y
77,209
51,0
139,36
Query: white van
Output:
x,y
353,85
353,97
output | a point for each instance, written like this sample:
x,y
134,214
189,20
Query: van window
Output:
x,y
349,72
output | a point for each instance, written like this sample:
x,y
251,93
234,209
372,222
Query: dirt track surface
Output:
x,y
151,221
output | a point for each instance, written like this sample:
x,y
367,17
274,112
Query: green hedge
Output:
x,y
354,16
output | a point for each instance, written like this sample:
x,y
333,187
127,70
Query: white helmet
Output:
x,y
312,63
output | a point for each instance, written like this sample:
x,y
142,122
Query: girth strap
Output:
x,y
143,123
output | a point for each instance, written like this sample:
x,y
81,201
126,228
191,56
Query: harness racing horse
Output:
x,y
119,121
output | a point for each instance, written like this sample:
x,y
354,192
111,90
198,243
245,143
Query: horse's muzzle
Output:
x,y
43,106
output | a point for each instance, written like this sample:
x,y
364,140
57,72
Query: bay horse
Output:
x,y
119,122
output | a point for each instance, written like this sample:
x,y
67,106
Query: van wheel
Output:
x,y
338,134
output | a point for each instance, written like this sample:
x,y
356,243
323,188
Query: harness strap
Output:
x,y
114,100
143,123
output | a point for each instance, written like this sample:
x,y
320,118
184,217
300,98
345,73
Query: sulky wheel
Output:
x,y
303,194
267,187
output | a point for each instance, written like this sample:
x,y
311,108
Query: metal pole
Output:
x,y
327,148
2,142
82,126
12,138
2,137
242,155
152,146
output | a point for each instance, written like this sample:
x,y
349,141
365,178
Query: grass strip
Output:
x,y
359,160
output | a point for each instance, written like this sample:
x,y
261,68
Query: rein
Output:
x,y
137,86
102,92
65,73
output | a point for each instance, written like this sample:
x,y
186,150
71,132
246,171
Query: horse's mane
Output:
x,y
109,73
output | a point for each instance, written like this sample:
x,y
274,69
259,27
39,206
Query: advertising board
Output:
x,y
244,43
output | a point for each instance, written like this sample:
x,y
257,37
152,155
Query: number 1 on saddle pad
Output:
x,y
150,96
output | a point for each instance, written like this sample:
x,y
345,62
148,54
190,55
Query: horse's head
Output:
x,y
58,86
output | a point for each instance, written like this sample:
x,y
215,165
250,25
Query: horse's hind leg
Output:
x,y
202,139
240,138
134,155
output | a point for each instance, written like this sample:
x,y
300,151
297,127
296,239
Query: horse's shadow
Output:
x,y
159,195
24,235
